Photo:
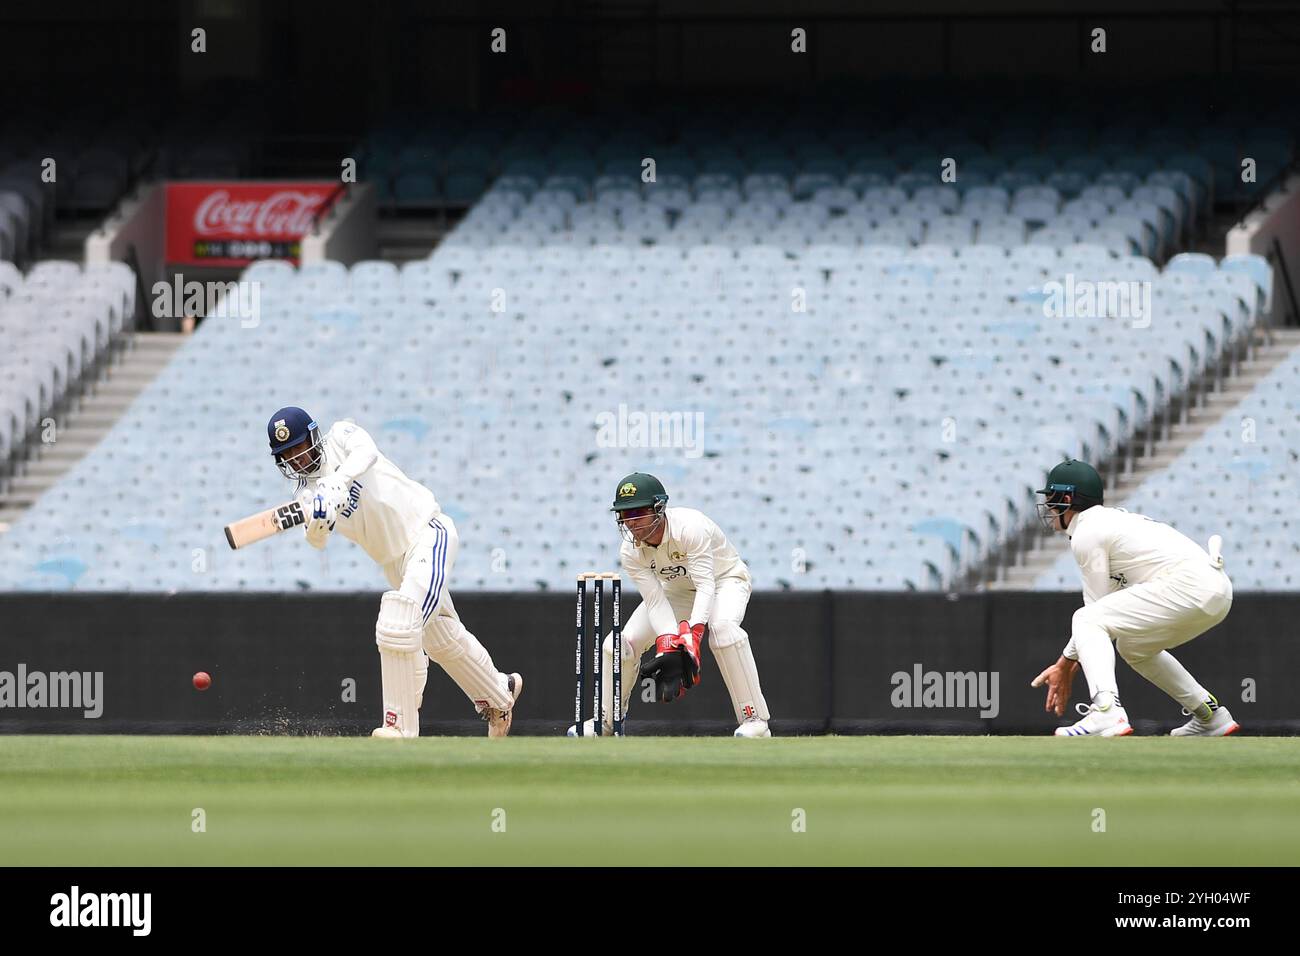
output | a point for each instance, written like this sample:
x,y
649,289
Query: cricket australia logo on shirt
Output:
x,y
670,571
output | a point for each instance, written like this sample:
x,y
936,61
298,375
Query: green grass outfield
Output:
x,y
867,800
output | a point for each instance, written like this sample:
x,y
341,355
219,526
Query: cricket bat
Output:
x,y
264,524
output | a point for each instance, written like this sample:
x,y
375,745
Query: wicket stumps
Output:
x,y
581,656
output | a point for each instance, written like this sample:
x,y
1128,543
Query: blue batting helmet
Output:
x,y
288,427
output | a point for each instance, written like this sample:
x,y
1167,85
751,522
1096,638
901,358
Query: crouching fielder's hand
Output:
x,y
1059,679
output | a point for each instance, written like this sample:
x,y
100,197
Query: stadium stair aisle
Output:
x,y
81,428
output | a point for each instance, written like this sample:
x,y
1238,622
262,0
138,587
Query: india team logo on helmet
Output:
x,y
288,428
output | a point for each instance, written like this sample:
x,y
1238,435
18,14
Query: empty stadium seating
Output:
x,y
56,323
869,415
869,356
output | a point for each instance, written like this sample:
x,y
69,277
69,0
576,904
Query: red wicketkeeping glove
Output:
x,y
690,638
675,668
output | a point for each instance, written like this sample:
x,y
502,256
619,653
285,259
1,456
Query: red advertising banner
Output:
x,y
233,223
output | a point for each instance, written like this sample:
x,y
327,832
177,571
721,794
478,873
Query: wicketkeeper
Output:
x,y
693,585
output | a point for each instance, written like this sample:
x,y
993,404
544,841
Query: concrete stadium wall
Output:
x,y
1277,219
830,662
349,232
139,223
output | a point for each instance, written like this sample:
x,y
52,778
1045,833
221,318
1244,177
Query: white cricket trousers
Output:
x,y
422,575
1145,621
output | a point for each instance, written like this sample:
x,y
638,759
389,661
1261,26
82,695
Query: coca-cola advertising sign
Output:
x,y
231,224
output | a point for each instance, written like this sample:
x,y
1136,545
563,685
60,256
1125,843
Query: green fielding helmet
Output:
x,y
638,490
1077,478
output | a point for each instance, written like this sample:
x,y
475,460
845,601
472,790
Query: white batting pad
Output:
x,y
730,646
400,672
631,667
400,623
467,662
421,677
402,667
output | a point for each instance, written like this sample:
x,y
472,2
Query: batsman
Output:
x,y
693,586
345,484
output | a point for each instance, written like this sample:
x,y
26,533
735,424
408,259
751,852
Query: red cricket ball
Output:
x,y
202,680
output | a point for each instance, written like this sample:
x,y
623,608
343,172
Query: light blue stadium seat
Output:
x,y
1259,271
1196,264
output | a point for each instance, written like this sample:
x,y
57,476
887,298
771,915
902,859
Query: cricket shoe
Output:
x,y
499,721
1220,724
589,729
1103,718
753,727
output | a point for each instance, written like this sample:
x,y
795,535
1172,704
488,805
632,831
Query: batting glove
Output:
x,y
321,523
333,490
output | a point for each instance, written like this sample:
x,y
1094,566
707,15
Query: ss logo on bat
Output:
x,y
290,515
